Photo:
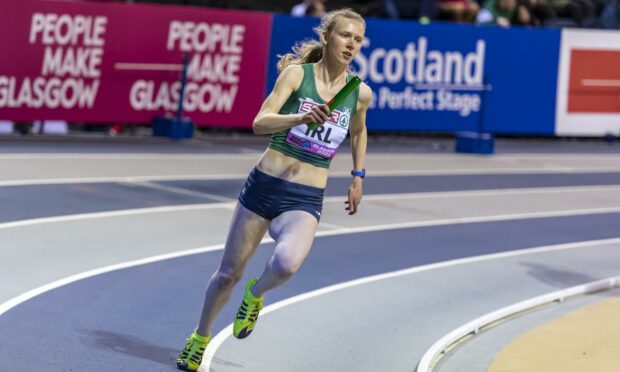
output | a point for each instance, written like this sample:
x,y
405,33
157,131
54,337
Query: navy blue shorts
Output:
x,y
270,196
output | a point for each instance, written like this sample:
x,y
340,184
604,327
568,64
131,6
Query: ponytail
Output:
x,y
311,51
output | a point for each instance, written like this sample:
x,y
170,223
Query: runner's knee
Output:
x,y
227,278
284,266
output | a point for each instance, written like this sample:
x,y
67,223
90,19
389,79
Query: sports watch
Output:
x,y
359,173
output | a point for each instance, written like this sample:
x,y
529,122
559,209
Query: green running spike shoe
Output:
x,y
191,356
248,312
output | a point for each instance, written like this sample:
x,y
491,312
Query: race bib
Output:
x,y
325,139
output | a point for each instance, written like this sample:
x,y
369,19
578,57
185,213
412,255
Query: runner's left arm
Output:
x,y
358,147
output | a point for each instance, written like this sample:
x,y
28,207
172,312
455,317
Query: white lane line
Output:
x,y
331,226
560,156
127,212
547,169
339,199
489,192
462,220
238,156
32,293
8,305
121,179
126,156
384,173
219,339
451,340
28,295
182,191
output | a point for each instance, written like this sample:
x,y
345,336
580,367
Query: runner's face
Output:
x,y
345,40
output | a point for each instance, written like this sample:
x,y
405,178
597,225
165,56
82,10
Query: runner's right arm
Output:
x,y
268,120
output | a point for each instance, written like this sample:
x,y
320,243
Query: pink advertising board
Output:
x,y
114,62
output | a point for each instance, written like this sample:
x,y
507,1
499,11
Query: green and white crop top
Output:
x,y
318,146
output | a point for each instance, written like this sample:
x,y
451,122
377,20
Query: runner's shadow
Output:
x,y
130,345
555,276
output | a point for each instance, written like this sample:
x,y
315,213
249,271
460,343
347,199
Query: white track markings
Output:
x,y
339,199
550,169
489,192
331,226
4,307
461,220
125,157
8,305
237,156
182,191
133,179
127,212
32,293
459,335
219,339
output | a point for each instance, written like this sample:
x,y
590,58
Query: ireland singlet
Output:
x,y
318,146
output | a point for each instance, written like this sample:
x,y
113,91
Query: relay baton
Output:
x,y
340,96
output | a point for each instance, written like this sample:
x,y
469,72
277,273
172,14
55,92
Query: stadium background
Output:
x,y
108,234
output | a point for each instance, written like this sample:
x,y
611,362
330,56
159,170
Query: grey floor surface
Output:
x,y
70,206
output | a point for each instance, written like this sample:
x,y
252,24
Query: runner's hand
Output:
x,y
319,114
355,196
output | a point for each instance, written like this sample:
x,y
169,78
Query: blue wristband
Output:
x,y
359,173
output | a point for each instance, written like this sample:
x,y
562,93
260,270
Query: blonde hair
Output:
x,y
311,51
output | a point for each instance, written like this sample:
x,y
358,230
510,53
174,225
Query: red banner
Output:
x,y
594,81
94,62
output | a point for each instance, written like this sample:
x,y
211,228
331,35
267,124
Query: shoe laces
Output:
x,y
194,350
249,310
